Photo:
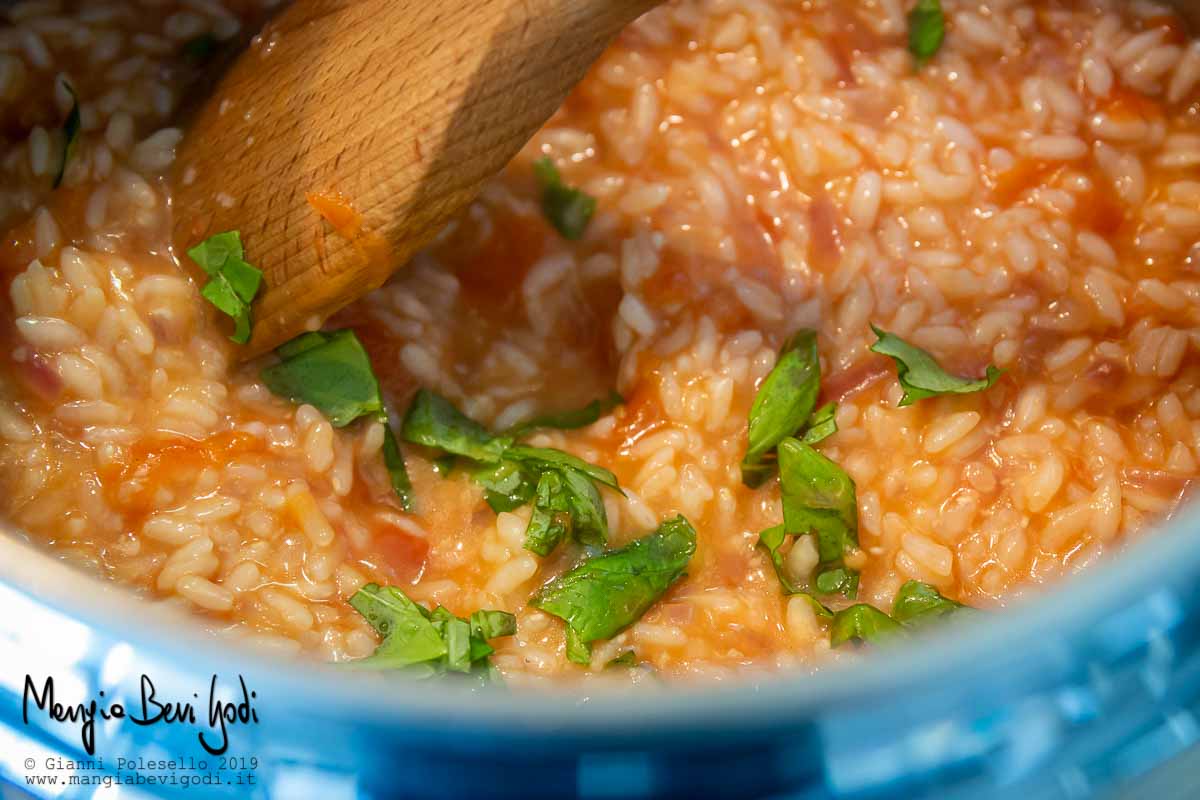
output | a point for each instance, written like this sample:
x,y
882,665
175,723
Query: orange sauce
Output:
x,y
1011,185
170,462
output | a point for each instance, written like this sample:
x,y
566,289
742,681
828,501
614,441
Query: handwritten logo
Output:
x,y
213,734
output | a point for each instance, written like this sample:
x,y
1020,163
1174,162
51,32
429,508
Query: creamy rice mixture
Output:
x,y
1029,198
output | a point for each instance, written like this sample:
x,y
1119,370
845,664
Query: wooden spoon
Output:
x,y
350,131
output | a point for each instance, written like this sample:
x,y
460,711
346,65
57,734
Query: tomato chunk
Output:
x,y
402,554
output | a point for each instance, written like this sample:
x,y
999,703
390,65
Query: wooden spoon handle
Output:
x,y
388,114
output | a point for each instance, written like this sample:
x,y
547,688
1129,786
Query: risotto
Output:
x,y
797,325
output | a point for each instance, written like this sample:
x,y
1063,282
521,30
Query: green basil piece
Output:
x,y
568,210
628,659
838,580
216,251
506,486
821,610
550,521
477,651
305,341
493,624
862,623
331,371
428,643
511,474
578,479
589,519
408,635
771,540
221,295
433,421
926,30
444,465
821,425
233,283
70,132
456,633
333,375
783,403
397,471
607,593
568,420
819,498
918,603
578,651
547,458
919,373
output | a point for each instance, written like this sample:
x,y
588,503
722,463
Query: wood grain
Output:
x,y
401,107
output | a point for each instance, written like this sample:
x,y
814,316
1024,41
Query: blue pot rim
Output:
x,y
953,653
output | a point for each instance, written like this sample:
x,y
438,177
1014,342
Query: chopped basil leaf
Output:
x,y
479,649
427,643
819,498
70,133
548,458
821,425
233,283
862,623
820,609
918,603
456,633
578,650
926,29
511,474
506,485
606,594
568,420
551,519
921,376
334,375
408,635
589,520
198,49
331,371
575,489
627,659
783,403
397,471
305,341
444,465
493,624
433,421
568,210
771,540
217,250
837,581
244,279
222,296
